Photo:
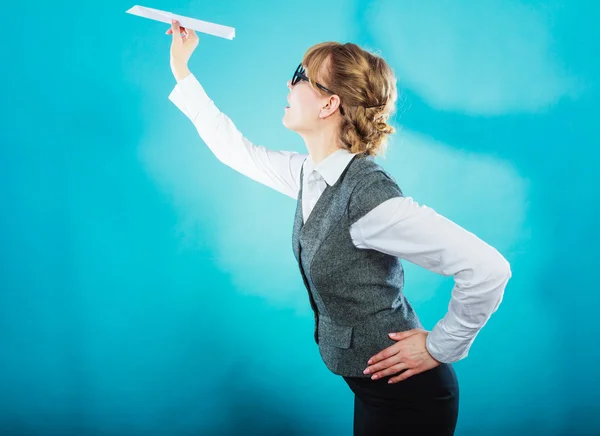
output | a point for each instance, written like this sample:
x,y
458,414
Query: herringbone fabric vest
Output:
x,y
356,294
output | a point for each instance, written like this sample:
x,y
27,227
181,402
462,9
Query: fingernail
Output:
x,y
375,377
370,361
366,371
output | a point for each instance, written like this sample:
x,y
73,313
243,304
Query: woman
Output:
x,y
352,226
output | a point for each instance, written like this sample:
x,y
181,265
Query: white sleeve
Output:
x,y
402,228
279,170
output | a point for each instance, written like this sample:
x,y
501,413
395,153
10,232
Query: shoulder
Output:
x,y
373,185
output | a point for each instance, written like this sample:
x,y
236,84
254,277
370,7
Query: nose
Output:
x,y
289,84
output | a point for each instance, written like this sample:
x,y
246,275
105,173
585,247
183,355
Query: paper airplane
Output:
x,y
187,22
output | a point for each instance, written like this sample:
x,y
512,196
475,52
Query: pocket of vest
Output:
x,y
333,334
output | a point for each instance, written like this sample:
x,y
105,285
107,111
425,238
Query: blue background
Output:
x,y
147,289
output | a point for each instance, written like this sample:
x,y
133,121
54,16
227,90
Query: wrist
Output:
x,y
428,347
181,73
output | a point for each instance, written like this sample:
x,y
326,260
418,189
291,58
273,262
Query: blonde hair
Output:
x,y
367,89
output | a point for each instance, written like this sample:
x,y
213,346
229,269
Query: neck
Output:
x,y
322,143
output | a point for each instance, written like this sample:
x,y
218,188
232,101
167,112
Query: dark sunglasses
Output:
x,y
299,75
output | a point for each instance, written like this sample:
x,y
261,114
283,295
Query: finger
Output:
x,y
182,29
398,336
383,364
394,369
191,33
406,374
388,352
176,30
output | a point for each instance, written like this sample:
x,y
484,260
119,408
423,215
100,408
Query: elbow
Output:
x,y
498,267
495,271
499,273
499,277
504,269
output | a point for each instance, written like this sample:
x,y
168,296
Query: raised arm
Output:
x,y
279,170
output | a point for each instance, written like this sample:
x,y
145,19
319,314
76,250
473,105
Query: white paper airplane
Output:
x,y
192,23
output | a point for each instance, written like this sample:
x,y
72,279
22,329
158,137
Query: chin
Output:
x,y
287,124
293,123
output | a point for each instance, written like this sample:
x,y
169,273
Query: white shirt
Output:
x,y
399,226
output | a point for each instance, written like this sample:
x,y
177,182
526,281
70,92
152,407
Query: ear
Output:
x,y
330,106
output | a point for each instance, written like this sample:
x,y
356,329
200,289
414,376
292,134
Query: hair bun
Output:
x,y
360,78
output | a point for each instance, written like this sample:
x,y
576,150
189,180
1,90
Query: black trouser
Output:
x,y
424,404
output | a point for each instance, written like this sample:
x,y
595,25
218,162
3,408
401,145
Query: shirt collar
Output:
x,y
332,167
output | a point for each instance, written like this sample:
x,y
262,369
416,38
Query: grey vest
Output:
x,y
356,294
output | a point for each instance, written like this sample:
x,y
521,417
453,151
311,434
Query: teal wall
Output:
x,y
147,289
